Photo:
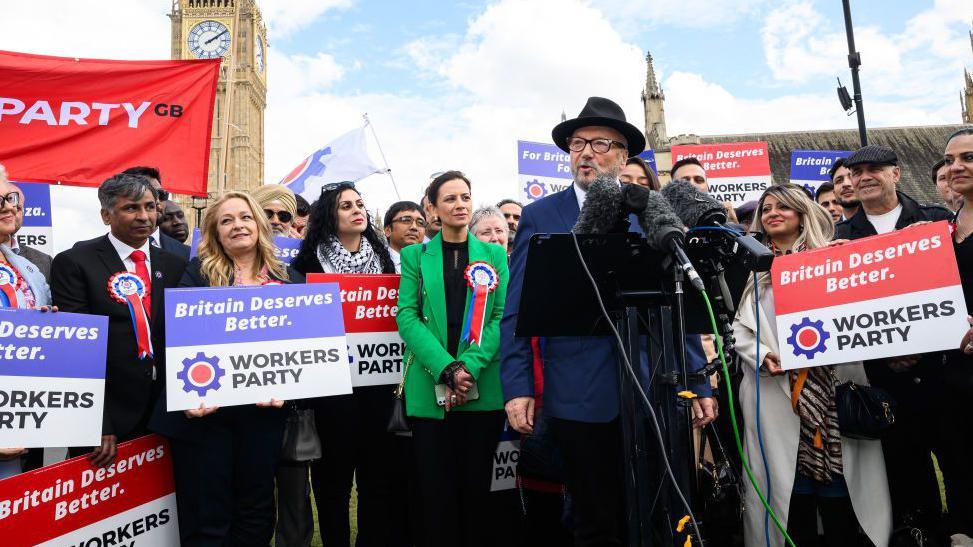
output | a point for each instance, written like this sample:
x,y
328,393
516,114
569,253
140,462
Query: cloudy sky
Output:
x,y
455,84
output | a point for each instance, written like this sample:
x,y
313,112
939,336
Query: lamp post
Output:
x,y
855,61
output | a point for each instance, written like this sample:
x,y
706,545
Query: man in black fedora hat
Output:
x,y
581,404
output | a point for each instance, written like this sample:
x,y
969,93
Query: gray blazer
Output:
x,y
41,260
32,274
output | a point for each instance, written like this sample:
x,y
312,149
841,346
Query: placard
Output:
x,y
542,169
883,296
242,345
505,459
132,502
285,248
737,172
37,229
809,168
52,378
370,304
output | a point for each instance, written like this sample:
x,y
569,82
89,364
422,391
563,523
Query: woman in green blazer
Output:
x,y
451,298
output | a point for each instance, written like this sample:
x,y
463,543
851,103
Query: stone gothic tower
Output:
x,y
233,30
967,96
653,101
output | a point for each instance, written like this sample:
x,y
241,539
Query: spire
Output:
x,y
564,116
652,89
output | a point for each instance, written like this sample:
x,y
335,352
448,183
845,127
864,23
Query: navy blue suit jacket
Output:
x,y
580,373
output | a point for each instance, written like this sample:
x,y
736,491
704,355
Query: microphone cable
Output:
x,y
760,437
638,385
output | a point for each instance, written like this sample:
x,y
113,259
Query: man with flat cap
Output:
x,y
581,400
911,380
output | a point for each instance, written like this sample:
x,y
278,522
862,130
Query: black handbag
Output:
x,y
301,442
864,412
398,420
539,457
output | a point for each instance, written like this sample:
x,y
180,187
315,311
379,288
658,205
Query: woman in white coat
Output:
x,y
813,469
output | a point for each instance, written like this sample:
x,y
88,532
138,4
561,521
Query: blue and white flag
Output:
x,y
345,158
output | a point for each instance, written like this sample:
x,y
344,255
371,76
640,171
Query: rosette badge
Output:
x,y
128,288
483,279
8,287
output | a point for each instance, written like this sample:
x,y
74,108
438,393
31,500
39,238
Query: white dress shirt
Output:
x,y
580,193
125,252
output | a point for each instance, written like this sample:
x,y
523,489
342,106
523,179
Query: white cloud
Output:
x,y
629,16
283,17
300,74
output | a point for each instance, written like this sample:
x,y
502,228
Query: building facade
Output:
x,y
234,31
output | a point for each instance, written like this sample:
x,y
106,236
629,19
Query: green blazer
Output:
x,y
424,331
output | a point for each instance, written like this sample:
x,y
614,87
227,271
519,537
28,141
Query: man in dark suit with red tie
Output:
x,y
122,276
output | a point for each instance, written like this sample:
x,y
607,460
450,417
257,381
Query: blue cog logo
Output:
x,y
808,337
200,374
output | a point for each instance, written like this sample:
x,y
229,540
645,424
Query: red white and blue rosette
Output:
x,y
483,280
8,287
128,288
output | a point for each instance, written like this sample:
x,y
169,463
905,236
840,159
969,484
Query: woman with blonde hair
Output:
x,y
224,460
812,468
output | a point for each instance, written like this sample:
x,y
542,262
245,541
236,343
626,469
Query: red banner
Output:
x,y
80,121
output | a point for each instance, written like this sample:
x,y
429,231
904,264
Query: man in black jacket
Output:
x,y
912,380
158,238
80,284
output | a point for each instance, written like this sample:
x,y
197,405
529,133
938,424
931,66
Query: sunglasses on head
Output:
x,y
163,194
337,185
284,216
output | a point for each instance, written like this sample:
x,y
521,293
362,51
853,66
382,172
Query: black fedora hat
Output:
x,y
604,112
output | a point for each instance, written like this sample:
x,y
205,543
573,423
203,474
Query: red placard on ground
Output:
x,y
80,121
370,304
882,296
131,502
737,172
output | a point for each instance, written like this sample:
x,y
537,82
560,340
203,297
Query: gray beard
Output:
x,y
611,174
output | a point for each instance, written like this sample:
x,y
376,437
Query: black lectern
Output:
x,y
644,298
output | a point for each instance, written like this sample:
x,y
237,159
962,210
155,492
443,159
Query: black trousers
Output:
x,y
295,520
954,443
837,517
356,446
593,466
225,478
453,472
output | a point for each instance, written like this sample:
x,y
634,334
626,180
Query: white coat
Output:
x,y
862,461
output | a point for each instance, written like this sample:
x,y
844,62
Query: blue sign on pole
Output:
x,y
810,168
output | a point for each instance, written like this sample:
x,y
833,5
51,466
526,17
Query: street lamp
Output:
x,y
854,61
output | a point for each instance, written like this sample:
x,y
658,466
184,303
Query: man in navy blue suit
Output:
x,y
581,402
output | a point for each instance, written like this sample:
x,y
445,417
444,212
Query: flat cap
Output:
x,y
873,153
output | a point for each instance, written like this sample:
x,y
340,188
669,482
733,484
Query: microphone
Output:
x,y
602,207
665,232
696,208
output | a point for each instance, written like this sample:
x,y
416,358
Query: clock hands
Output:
x,y
217,36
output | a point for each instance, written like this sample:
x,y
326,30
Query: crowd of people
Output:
x,y
460,383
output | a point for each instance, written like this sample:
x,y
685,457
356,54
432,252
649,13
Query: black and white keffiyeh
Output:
x,y
365,261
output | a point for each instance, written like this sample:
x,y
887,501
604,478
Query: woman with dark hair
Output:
x,y
451,299
637,171
340,238
955,436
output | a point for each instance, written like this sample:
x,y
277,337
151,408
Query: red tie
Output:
x,y
138,257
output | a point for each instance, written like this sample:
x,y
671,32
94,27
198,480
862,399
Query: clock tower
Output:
x,y
234,31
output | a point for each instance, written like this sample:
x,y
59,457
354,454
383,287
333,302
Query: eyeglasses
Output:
x,y
12,199
577,144
408,221
284,216
336,185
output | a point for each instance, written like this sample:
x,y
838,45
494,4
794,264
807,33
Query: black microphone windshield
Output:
x,y
660,224
692,206
602,207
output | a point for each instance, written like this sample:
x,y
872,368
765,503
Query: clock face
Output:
x,y
209,40
258,54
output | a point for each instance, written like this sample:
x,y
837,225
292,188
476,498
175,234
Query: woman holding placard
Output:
x,y
22,285
224,459
813,468
451,299
956,437
340,238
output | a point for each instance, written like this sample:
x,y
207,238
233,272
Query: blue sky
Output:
x,y
456,84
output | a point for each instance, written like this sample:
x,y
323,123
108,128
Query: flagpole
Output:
x,y
387,170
